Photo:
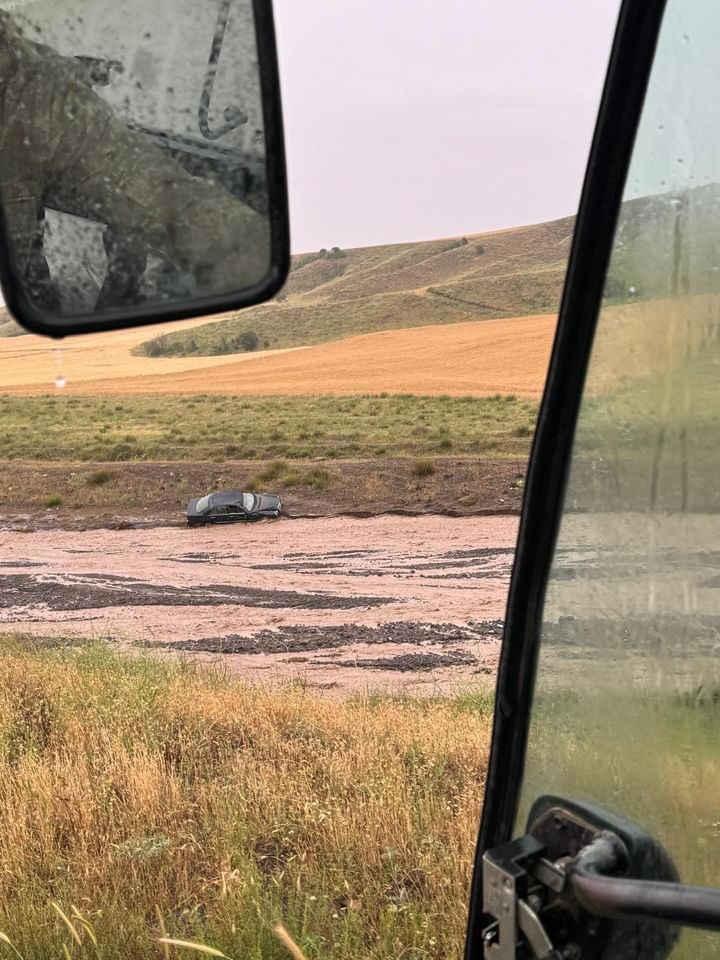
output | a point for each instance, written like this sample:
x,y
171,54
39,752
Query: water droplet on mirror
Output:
x,y
685,38
680,160
661,127
60,381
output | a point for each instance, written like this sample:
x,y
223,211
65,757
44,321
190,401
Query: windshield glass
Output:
x,y
202,504
627,701
248,501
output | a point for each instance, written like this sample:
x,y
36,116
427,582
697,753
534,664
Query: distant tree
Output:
x,y
336,253
323,252
249,340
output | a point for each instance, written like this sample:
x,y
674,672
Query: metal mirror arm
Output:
x,y
590,875
234,116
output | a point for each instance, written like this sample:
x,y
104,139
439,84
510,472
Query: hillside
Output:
x,y
335,293
664,244
8,326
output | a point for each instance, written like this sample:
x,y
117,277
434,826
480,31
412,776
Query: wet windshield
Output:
x,y
628,694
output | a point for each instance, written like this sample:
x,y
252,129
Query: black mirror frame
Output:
x,y
38,321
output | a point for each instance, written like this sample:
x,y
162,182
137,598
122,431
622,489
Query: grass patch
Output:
x,y
161,800
273,470
99,478
53,500
277,429
423,468
317,478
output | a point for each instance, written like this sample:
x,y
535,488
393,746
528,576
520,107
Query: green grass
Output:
x,y
105,429
54,500
144,799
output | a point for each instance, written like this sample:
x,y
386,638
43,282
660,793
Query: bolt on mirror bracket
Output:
x,y
545,894
513,898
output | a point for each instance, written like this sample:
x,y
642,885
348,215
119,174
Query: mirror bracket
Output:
x,y
579,885
513,897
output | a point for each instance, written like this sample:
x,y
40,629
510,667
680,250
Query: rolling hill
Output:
x,y
664,245
333,294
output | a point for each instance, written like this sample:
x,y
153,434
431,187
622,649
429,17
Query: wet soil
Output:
x,y
155,494
93,591
340,603
296,639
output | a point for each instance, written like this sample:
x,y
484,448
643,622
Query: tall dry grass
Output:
x,y
145,800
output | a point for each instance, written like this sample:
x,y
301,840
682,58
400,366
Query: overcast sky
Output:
x,y
416,119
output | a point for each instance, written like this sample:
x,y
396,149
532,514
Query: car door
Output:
x,y
601,826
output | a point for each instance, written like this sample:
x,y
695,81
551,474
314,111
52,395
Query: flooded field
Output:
x,y
394,603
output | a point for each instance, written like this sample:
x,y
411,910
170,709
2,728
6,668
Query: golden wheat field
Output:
x,y
476,358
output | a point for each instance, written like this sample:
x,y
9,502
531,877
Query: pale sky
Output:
x,y
416,119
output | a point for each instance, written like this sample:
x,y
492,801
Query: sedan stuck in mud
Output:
x,y
233,507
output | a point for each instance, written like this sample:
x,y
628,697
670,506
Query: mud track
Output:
x,y
389,603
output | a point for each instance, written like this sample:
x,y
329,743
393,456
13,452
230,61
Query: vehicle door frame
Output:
x,y
621,104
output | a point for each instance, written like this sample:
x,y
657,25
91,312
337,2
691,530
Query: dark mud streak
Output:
x,y
410,662
296,639
94,591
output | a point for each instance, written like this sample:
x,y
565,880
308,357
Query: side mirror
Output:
x,y
142,173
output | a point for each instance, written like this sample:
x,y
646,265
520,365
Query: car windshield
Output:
x,y
247,501
202,504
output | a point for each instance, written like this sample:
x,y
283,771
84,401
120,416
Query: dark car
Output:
x,y
233,506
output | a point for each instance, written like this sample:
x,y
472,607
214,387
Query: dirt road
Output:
x,y
389,603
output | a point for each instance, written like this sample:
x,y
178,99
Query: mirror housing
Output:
x,y
142,172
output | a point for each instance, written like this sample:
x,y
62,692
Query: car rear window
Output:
x,y
202,504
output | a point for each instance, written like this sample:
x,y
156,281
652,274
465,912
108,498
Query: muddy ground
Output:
x,y
392,603
146,494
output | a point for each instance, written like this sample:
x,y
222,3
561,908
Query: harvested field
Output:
x,y
478,358
31,363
